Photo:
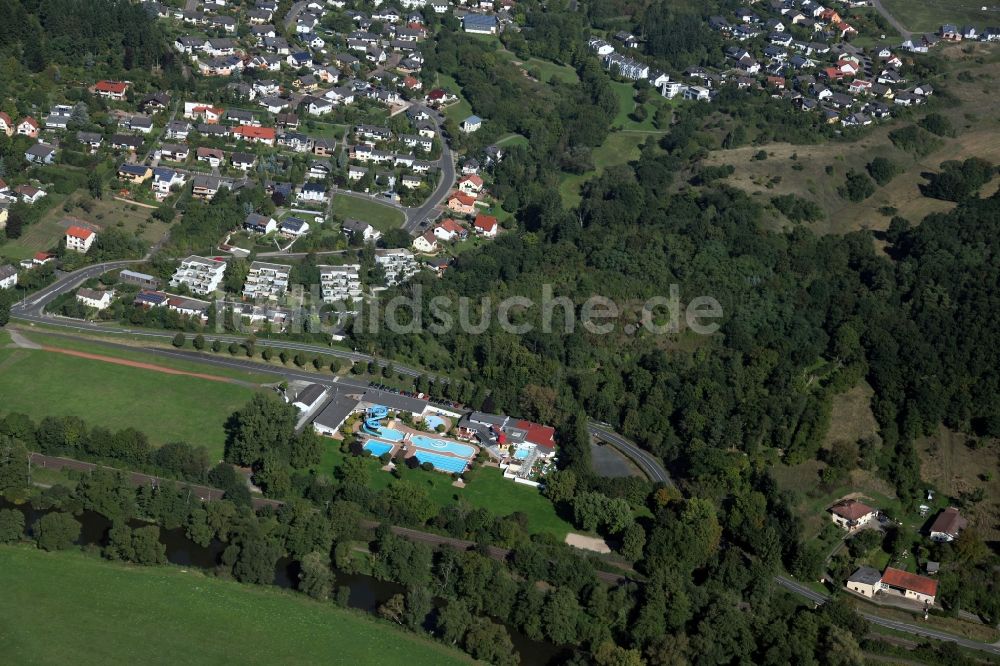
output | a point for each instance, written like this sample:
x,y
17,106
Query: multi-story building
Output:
x,y
399,265
79,239
266,281
200,275
340,283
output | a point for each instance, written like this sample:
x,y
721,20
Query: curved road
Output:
x,y
914,629
646,461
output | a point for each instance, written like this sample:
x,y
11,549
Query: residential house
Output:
x,y
174,152
866,581
29,194
99,299
948,525
426,242
259,224
205,187
313,193
449,230
79,239
462,203
28,127
471,124
471,185
8,276
114,90
480,24
6,124
212,156
264,135
362,230
40,153
243,161
851,514
293,227
485,225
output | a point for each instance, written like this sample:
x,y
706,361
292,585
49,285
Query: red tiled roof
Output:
x,y
43,256
31,121
472,178
909,581
464,199
451,225
4,117
116,87
851,509
538,434
485,222
3,184
266,133
437,93
79,232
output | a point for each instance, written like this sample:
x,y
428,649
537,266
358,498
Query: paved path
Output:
x,y
892,20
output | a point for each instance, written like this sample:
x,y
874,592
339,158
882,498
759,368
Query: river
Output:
x,y
367,593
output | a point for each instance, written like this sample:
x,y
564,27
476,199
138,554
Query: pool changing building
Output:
x,y
517,443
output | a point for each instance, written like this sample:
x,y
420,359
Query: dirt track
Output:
x,y
140,365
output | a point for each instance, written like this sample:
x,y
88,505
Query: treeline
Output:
x,y
73,32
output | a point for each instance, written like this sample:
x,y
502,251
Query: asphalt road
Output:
x,y
646,461
417,216
905,627
892,20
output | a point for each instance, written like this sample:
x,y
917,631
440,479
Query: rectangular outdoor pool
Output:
x,y
377,448
444,446
442,463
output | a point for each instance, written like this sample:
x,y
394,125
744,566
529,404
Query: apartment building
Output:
x,y
399,265
340,283
199,274
266,281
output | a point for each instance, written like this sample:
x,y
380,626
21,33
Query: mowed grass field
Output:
x,y
485,488
381,216
71,608
166,407
930,15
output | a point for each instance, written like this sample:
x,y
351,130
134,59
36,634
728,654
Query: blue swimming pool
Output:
x,y
431,444
390,435
442,463
433,421
522,453
377,448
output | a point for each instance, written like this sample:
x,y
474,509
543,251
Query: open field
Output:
x,y
123,614
485,488
929,15
167,407
802,169
381,216
106,213
954,467
457,111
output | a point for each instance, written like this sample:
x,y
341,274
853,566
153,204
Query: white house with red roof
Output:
x,y
209,114
79,239
6,124
111,89
449,230
426,242
851,514
28,127
486,225
471,184
909,585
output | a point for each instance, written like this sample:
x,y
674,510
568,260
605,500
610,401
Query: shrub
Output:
x,y
857,186
797,209
882,170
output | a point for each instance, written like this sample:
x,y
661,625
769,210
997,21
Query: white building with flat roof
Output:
x,y
340,283
266,281
199,274
399,265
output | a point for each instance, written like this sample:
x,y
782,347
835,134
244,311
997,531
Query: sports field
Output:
x,y
71,608
167,407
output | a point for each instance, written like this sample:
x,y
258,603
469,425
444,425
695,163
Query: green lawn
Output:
x,y
549,70
166,407
381,216
929,15
457,111
513,140
71,608
485,487
626,105
619,148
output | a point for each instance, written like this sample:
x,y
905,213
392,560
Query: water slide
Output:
x,y
374,416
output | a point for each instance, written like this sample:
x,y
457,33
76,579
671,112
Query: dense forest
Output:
x,y
115,33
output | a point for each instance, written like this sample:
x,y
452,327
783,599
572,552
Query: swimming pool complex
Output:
x,y
444,446
433,421
441,463
377,448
